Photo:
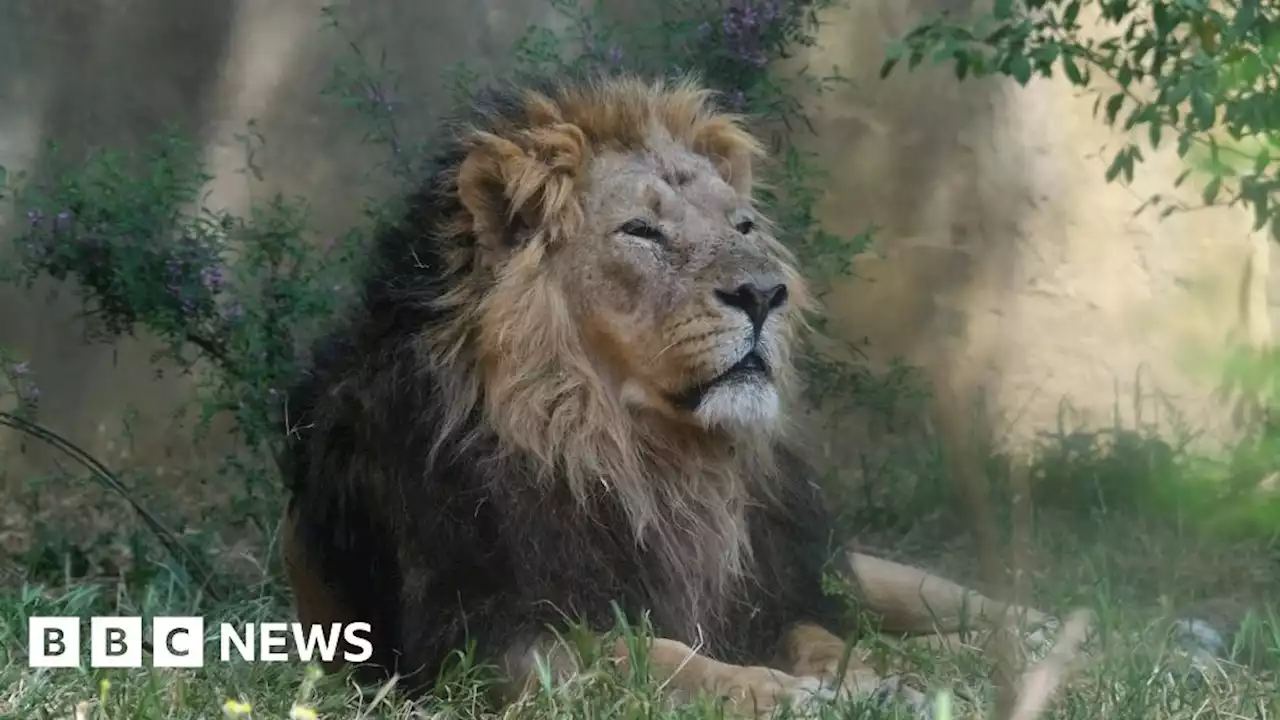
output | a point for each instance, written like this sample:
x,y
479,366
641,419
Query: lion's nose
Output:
x,y
756,301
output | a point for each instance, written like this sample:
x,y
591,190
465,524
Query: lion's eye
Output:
x,y
643,229
745,226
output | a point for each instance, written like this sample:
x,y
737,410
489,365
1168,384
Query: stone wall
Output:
x,y
1009,265
115,72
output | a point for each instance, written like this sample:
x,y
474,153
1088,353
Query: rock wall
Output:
x,y
1009,264
115,72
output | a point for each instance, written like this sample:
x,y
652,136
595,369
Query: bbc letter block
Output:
x,y
54,642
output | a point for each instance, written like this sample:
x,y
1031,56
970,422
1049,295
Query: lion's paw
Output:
x,y
1038,640
759,691
893,690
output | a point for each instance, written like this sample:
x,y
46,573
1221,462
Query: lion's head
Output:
x,y
609,303
611,244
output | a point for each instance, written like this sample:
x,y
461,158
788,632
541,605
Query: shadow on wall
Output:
x,y
1008,268
105,73
116,72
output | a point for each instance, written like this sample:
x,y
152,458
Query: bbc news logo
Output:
x,y
179,642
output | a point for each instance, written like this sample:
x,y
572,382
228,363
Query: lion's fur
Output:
x,y
479,449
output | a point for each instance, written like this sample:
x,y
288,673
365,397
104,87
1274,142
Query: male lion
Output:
x,y
563,389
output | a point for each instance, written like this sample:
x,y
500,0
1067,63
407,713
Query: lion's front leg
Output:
x,y
909,601
315,602
750,690
682,673
809,650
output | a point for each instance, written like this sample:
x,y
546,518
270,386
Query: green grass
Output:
x,y
1107,536
1120,569
1126,526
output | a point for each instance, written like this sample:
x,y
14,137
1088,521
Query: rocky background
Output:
x,y
1007,266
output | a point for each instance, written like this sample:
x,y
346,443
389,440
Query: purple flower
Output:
x,y
615,55
211,277
233,312
29,392
35,217
747,29
20,369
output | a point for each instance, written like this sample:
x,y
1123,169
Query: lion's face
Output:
x,y
686,301
622,266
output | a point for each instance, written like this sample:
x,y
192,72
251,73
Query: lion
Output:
x,y
563,389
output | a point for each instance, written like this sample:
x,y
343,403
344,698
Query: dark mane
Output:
x,y
438,549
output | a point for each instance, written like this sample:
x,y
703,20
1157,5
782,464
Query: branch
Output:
x,y
166,536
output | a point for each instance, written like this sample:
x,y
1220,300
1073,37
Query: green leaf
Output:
x,y
1202,108
1020,69
1113,107
893,53
1117,164
1257,194
1163,20
1003,9
1154,130
1176,93
962,66
1073,72
1260,163
1046,56
1073,11
1184,144
1246,15
1132,156
1211,190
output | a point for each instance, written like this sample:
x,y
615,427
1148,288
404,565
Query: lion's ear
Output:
x,y
510,186
731,148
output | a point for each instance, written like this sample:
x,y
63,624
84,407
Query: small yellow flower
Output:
x,y
235,708
302,712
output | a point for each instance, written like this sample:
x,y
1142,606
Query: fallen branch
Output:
x,y
1045,677
103,475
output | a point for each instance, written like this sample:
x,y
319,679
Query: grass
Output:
x,y
1107,535
1120,569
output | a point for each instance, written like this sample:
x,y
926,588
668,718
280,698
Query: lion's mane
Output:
x,y
445,503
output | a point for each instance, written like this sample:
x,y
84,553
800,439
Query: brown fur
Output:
x,y
534,355
555,349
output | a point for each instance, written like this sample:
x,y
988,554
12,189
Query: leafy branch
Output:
x,y
1206,73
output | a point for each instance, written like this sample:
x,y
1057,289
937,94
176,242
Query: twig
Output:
x,y
1041,681
166,536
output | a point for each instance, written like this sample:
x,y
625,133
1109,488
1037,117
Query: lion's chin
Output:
x,y
750,403
743,397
